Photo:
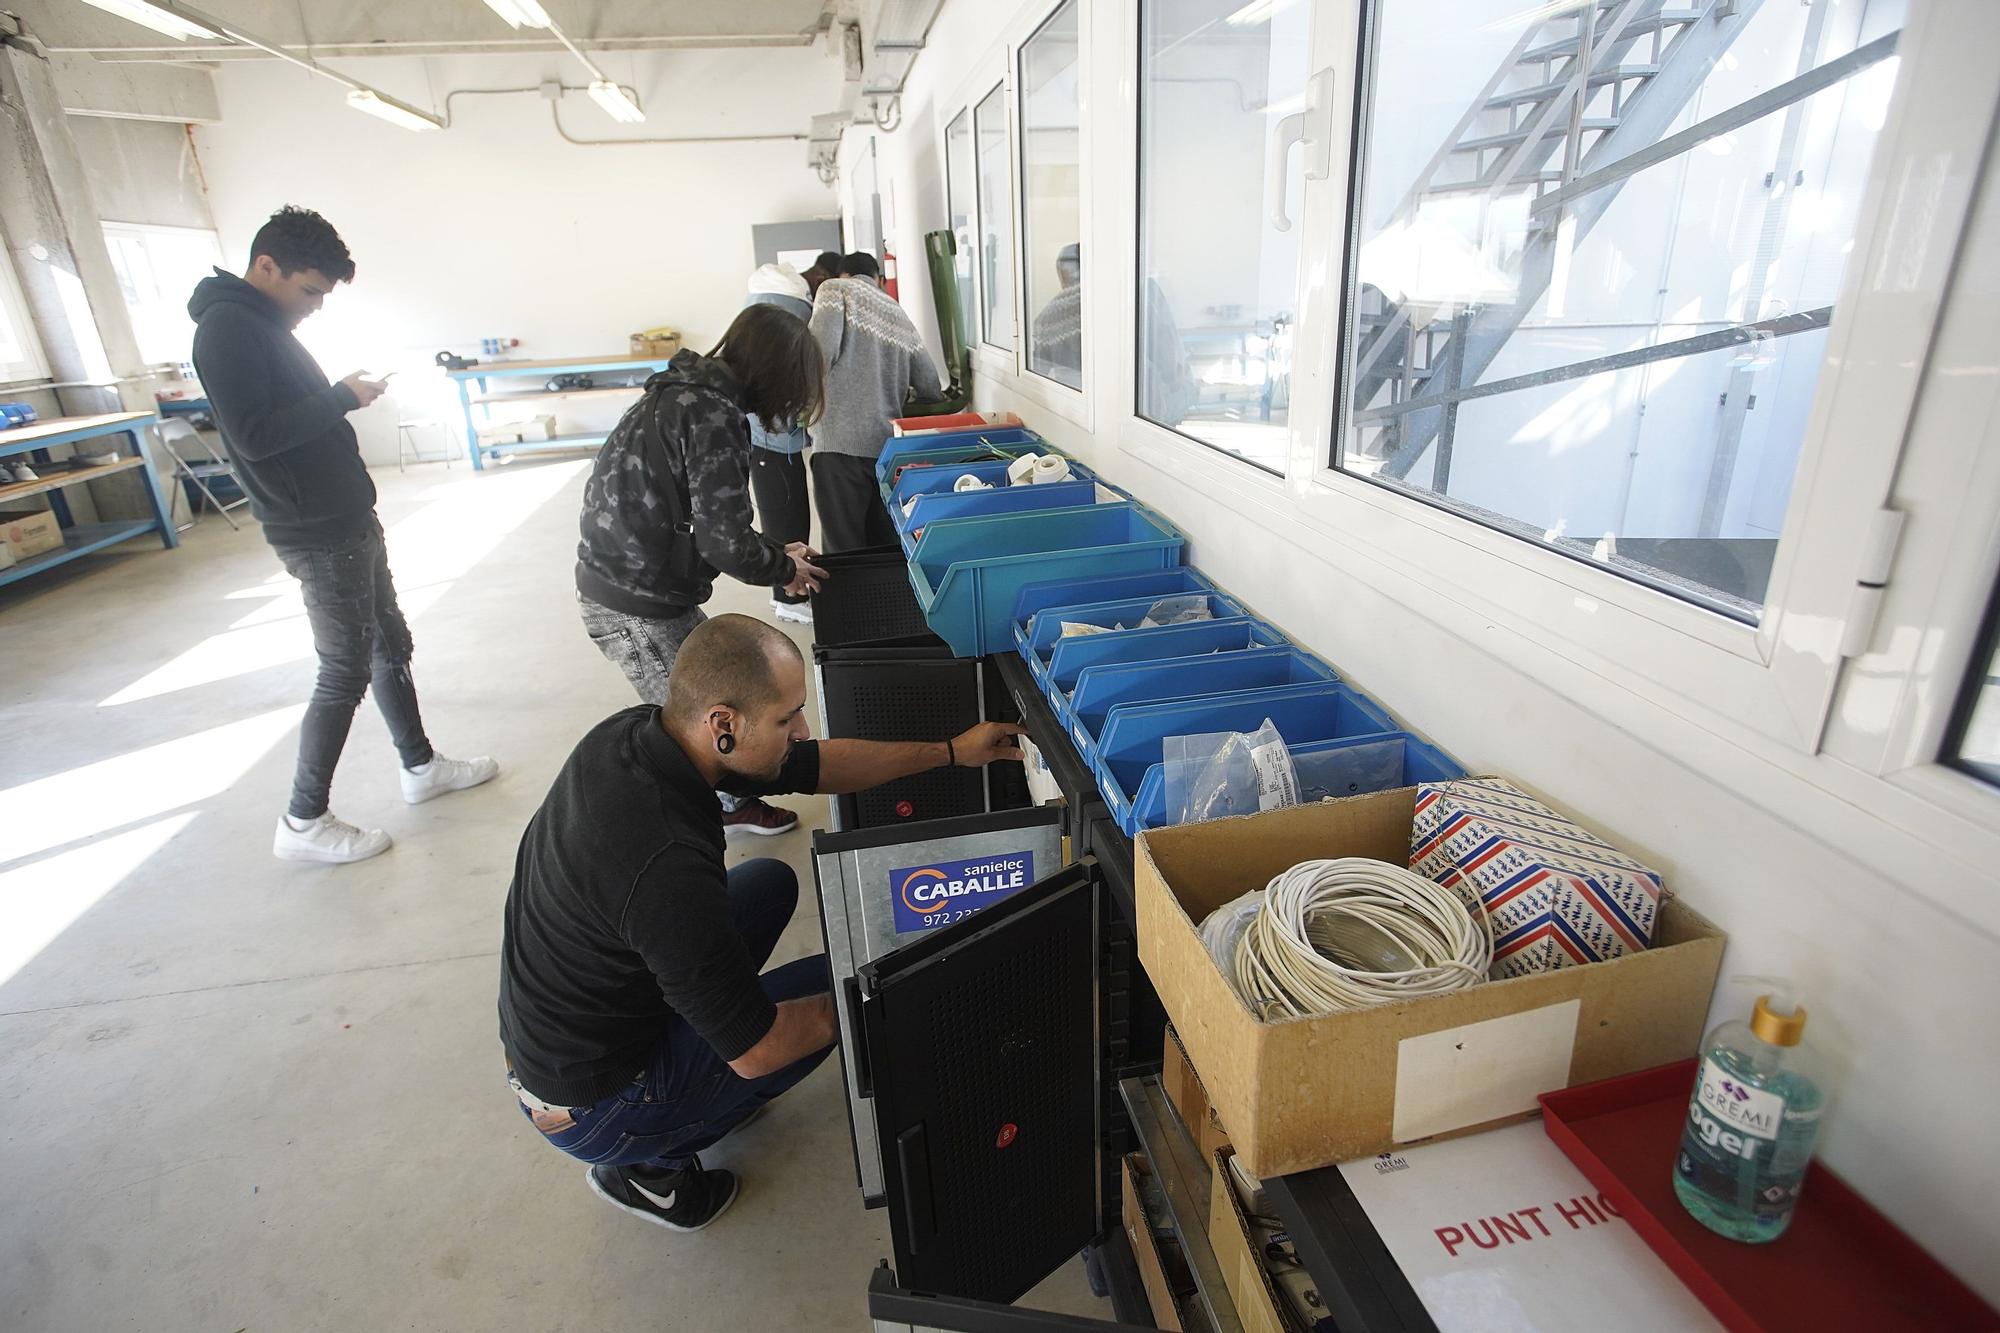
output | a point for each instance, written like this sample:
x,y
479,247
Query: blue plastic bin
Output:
x,y
1056,670
945,450
1037,638
1099,689
930,480
929,509
1105,588
1134,735
1327,769
968,572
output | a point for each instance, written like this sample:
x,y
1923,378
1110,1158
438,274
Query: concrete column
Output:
x,y
56,241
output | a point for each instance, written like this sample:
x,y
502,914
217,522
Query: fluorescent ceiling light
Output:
x,y
521,13
616,104
159,20
389,109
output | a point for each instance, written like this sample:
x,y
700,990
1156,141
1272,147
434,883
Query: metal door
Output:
x,y
861,875
982,1040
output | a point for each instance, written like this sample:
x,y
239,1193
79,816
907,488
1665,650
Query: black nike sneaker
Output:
x,y
684,1200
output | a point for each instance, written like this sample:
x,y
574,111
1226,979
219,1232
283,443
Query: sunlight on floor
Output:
x,y
428,551
142,784
41,900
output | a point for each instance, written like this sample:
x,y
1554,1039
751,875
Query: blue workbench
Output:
x,y
483,397
82,538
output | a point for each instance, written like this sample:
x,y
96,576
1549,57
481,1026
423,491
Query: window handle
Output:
x,y
1311,127
1285,135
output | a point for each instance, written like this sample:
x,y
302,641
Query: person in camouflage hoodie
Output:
x,y
667,506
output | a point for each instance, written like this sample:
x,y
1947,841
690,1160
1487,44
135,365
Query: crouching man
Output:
x,y
639,1024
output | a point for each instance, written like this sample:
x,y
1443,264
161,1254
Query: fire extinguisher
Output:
x,y
889,274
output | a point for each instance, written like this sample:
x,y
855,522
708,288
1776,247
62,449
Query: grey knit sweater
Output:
x,y
874,354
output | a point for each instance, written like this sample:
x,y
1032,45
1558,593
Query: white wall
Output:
x,y
1901,989
141,171
495,227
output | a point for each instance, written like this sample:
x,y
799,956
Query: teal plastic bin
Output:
x,y
968,572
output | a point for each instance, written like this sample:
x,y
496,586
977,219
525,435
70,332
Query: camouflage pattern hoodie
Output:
x,y
668,500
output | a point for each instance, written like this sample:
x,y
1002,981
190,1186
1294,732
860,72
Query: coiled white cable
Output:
x,y
1351,933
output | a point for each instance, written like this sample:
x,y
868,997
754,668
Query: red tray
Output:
x,y
1840,1265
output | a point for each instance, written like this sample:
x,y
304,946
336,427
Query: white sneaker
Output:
x,y
443,775
799,613
327,840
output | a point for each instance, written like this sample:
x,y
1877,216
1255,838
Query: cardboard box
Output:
x,y
540,427
664,345
29,532
1183,1086
1259,1304
6,555
1560,896
1152,1267
1210,1136
1310,1092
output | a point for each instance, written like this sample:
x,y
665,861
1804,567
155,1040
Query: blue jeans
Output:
x,y
687,1098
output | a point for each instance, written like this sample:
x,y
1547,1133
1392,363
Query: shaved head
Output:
x,y
730,661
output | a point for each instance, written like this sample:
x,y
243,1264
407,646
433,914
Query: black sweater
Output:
x,y
284,423
618,917
668,500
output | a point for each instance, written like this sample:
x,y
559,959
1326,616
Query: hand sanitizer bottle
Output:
x,y
1751,1122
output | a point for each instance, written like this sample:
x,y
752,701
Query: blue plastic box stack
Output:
x,y
1015,564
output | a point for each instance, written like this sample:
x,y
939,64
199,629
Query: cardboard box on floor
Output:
x,y
1309,1092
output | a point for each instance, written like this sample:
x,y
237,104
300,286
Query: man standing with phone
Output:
x,y
297,459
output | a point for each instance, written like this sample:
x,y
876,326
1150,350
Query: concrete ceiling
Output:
x,y
431,27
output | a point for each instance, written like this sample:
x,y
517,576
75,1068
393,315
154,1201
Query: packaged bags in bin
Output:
x,y
1559,895
1223,773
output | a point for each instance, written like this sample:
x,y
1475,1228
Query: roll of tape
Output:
x,y
968,482
1049,468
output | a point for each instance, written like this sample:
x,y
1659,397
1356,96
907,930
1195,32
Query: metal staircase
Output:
x,y
1579,91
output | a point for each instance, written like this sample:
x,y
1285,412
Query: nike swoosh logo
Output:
x,y
664,1201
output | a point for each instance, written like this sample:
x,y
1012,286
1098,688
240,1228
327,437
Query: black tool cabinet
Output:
x,y
983,1057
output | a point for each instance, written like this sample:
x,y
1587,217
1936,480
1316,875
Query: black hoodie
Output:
x,y
285,425
668,500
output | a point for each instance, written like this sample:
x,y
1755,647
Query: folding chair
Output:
x,y
408,449
176,435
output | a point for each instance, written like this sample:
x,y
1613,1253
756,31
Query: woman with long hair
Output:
x,y
667,506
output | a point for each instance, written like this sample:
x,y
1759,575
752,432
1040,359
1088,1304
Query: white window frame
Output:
x,y
34,366
1074,404
111,227
971,300
992,359
1773,682
1000,66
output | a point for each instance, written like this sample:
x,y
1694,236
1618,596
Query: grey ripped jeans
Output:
x,y
363,642
643,649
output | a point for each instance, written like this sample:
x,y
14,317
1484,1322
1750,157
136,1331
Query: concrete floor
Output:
x,y
241,1094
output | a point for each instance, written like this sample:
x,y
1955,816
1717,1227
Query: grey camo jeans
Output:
x,y
643,649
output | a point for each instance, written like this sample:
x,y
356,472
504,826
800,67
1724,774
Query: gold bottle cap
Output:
x,y
1778,1029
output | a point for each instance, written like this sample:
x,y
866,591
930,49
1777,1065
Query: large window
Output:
x,y
1593,254
961,203
20,350
1218,283
157,269
996,241
1051,197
